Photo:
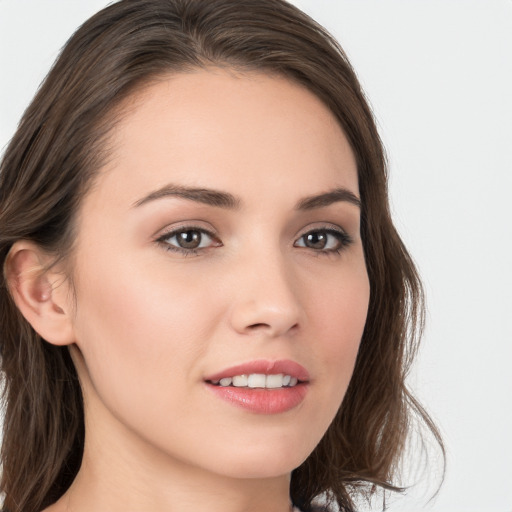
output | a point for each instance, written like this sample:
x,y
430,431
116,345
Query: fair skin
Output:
x,y
275,276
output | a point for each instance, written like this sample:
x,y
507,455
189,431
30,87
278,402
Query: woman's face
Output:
x,y
220,240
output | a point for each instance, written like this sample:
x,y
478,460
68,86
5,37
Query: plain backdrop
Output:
x,y
438,74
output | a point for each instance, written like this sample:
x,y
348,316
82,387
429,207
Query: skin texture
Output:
x,y
146,324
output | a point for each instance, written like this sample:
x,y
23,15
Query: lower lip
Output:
x,y
262,401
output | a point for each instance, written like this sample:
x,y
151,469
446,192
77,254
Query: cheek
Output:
x,y
339,316
138,334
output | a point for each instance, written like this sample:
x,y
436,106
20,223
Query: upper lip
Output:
x,y
284,366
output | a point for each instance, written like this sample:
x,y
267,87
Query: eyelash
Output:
x,y
343,240
164,240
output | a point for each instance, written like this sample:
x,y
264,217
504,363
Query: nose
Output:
x,y
266,299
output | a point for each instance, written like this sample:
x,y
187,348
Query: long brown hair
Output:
x,y
50,162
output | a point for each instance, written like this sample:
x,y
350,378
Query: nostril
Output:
x,y
257,326
266,327
265,317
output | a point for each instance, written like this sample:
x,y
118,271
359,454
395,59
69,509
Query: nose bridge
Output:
x,y
266,296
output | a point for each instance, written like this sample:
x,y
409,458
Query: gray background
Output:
x,y
439,76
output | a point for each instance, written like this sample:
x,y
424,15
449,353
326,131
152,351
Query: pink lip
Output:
x,y
259,400
285,366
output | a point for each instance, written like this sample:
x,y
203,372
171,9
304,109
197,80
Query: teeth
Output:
x,y
274,381
258,380
240,381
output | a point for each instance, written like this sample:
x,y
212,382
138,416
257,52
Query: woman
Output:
x,y
205,302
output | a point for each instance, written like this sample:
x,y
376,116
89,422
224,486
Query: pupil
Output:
x,y
189,239
316,240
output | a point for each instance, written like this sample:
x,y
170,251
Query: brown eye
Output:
x,y
324,240
316,240
187,240
190,239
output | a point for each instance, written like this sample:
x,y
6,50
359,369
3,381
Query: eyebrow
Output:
x,y
336,195
226,200
201,195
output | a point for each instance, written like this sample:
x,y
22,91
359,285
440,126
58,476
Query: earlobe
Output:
x,y
41,294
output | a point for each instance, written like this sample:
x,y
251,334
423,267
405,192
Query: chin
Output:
x,y
263,461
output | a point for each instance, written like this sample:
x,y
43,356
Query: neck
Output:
x,y
135,486
120,471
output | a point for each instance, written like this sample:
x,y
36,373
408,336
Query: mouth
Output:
x,y
257,380
265,387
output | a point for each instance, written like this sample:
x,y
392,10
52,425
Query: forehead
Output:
x,y
220,129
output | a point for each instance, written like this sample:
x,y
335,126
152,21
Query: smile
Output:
x,y
261,386
258,380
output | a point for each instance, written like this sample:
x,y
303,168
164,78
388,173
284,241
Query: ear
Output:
x,y
41,293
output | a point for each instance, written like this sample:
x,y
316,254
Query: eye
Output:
x,y
324,240
188,240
